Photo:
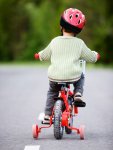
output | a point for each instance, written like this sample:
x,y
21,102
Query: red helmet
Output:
x,y
73,20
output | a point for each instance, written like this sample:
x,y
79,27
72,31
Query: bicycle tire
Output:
x,y
58,128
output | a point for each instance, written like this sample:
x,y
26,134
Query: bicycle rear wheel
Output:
x,y
58,128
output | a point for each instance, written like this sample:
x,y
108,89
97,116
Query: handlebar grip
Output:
x,y
36,56
98,56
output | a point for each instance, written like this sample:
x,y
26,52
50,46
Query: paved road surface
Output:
x,y
22,98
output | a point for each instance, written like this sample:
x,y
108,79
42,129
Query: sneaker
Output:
x,y
78,102
46,119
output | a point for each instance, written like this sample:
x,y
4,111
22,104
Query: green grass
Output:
x,y
25,63
46,64
96,65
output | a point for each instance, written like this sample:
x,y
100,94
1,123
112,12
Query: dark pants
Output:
x,y
54,89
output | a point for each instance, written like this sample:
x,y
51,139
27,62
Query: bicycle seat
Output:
x,y
65,84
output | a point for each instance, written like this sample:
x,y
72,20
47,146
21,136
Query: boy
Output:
x,y
64,52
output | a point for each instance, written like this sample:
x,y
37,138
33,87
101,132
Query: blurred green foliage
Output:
x,y
27,26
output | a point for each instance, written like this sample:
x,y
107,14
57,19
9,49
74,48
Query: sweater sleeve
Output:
x,y
45,54
87,54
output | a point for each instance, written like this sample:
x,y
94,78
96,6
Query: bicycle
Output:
x,y
62,115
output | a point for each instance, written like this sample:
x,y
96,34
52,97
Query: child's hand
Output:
x,y
36,56
98,56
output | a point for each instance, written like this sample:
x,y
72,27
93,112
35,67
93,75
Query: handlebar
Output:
x,y
36,56
83,65
82,62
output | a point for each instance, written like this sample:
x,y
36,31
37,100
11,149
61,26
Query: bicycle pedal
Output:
x,y
47,122
79,104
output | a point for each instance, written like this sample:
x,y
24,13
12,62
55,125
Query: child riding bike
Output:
x,y
64,52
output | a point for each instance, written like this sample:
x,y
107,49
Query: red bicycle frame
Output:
x,y
66,115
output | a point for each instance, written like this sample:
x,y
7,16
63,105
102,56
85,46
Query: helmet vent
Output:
x,y
76,15
79,22
70,16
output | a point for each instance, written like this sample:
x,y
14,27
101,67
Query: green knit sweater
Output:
x,y
64,52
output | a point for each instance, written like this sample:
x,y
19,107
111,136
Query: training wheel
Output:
x,y
35,131
81,131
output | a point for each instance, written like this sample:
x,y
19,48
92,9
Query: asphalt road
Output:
x,y
22,98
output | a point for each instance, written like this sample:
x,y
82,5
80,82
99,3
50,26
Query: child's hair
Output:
x,y
68,31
